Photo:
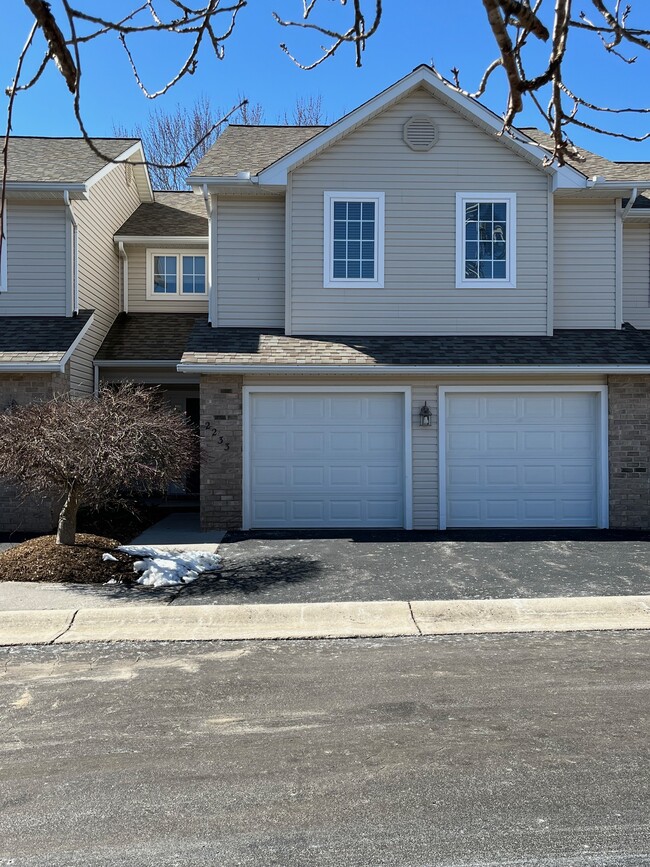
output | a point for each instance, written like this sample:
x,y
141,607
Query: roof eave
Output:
x,y
411,369
161,239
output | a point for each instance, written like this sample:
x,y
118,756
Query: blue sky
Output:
x,y
411,32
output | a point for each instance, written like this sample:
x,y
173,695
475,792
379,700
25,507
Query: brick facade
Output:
x,y
19,513
629,452
221,452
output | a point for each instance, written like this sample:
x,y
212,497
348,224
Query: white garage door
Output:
x,y
326,460
522,459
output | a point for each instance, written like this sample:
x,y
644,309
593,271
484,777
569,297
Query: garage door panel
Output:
x,y
327,460
522,459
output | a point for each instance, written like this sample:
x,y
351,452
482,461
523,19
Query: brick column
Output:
x,y
629,452
221,452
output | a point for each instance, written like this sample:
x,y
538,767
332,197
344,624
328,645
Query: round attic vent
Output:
x,y
420,132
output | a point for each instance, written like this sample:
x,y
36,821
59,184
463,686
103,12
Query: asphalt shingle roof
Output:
x,y
243,346
171,213
251,149
593,164
60,160
39,339
148,337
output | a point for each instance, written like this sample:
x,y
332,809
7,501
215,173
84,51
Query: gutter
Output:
x,y
31,367
129,362
410,370
198,240
125,276
75,252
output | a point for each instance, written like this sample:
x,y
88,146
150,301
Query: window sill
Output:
x,y
352,284
486,284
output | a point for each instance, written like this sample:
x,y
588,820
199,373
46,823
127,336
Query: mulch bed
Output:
x,y
42,559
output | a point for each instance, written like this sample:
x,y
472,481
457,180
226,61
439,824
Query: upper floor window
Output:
x,y
486,240
354,240
173,275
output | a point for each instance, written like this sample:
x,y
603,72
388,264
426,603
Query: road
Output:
x,y
525,751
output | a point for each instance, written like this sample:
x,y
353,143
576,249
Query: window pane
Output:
x,y
354,231
485,270
485,231
368,210
368,231
499,232
339,249
471,211
368,250
500,211
471,231
339,269
339,230
354,250
499,270
499,251
193,274
485,211
354,210
199,284
485,250
340,210
368,270
354,270
471,270
471,250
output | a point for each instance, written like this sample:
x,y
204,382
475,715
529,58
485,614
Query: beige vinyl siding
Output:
x,y
38,261
110,202
138,301
424,441
250,262
636,274
585,264
419,294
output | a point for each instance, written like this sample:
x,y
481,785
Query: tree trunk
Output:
x,y
65,534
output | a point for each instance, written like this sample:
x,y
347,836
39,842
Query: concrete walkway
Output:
x,y
180,530
324,620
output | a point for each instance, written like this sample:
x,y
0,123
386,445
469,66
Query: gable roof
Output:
x,y
252,148
39,159
179,214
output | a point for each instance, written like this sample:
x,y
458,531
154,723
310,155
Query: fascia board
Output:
x,y
411,370
198,240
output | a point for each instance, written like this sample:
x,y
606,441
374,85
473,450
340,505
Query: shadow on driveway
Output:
x,y
365,565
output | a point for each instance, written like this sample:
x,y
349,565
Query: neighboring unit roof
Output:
x,y
60,160
251,149
39,339
594,164
148,337
171,213
249,346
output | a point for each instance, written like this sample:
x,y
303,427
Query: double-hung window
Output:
x,y
354,240
175,275
486,240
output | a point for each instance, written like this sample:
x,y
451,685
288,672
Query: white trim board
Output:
x,y
602,456
249,390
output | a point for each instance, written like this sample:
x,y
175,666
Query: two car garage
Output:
x,y
347,457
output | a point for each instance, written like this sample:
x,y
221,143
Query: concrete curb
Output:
x,y
325,620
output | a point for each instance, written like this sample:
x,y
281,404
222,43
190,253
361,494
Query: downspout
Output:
x,y
630,204
125,276
96,378
75,253
212,312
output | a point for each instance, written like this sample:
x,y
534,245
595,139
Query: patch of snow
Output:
x,y
106,557
163,567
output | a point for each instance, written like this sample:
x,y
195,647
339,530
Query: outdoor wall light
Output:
x,y
425,416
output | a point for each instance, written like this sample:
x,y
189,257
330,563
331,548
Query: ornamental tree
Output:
x,y
95,451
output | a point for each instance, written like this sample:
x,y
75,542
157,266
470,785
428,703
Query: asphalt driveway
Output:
x,y
321,566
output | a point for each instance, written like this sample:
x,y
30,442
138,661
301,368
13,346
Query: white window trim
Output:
x,y
329,281
510,281
602,457
179,294
3,257
249,390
